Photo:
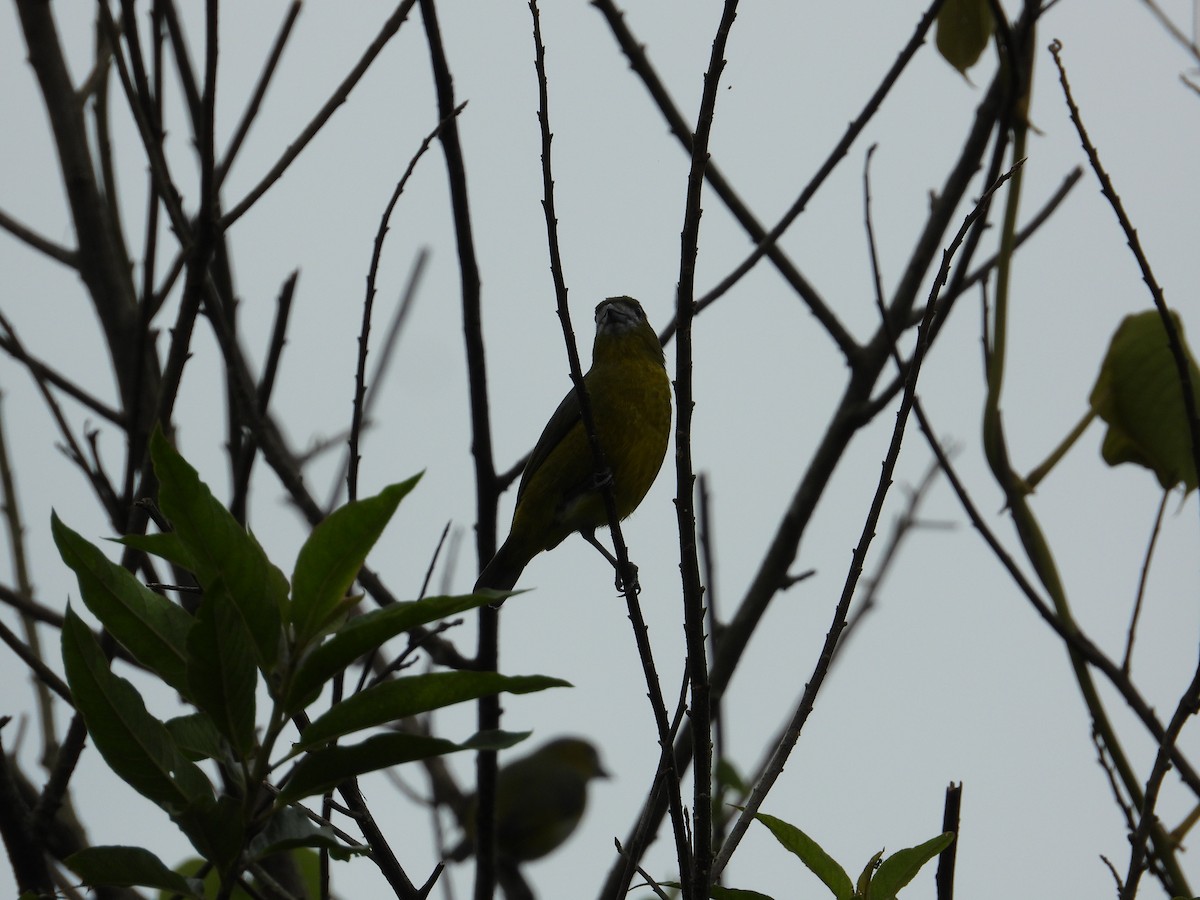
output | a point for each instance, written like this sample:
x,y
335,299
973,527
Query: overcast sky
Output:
x,y
952,677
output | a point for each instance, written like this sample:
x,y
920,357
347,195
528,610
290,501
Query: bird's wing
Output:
x,y
566,417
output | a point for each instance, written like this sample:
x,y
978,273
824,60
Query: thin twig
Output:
x,y
1172,29
698,876
360,372
1143,578
836,155
33,659
37,242
946,859
387,353
488,638
839,621
386,33
635,52
1148,821
43,372
1174,339
11,509
260,91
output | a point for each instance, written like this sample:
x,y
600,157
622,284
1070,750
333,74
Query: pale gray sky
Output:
x,y
952,677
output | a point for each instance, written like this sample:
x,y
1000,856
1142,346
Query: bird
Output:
x,y
540,799
630,396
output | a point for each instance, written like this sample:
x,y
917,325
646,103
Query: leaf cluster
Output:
x,y
252,629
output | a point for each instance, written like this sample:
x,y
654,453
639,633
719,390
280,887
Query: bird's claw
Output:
x,y
601,480
620,582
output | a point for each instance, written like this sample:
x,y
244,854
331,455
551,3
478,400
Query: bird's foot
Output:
x,y
601,480
619,582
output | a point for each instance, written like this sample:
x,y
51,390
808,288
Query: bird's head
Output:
x,y
577,754
621,328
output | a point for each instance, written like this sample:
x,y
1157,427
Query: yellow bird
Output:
x,y
540,800
630,396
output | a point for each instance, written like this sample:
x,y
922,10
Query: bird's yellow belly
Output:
x,y
632,413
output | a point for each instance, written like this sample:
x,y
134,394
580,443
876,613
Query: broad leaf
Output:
x,y
135,745
404,697
164,545
324,769
1139,395
331,557
196,736
868,872
964,28
130,867
363,634
153,629
221,675
810,853
222,549
289,828
723,893
902,866
216,828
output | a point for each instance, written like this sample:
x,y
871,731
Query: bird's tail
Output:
x,y
502,572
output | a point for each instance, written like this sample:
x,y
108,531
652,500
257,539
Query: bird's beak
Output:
x,y
616,317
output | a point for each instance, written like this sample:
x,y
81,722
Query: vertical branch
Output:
x,y
11,511
1179,353
360,375
668,776
947,858
486,492
693,590
108,285
1148,826
805,706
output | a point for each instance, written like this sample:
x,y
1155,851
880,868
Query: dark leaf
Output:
x,y
363,634
1139,395
404,697
324,769
153,629
288,829
195,736
135,745
221,674
902,866
130,867
810,853
222,549
964,28
331,557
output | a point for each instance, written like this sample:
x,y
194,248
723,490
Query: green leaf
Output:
x,y
164,545
196,736
222,549
221,674
404,697
130,867
325,769
810,853
331,557
135,745
216,828
1139,395
964,28
363,634
864,878
149,626
729,778
723,893
902,866
288,829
